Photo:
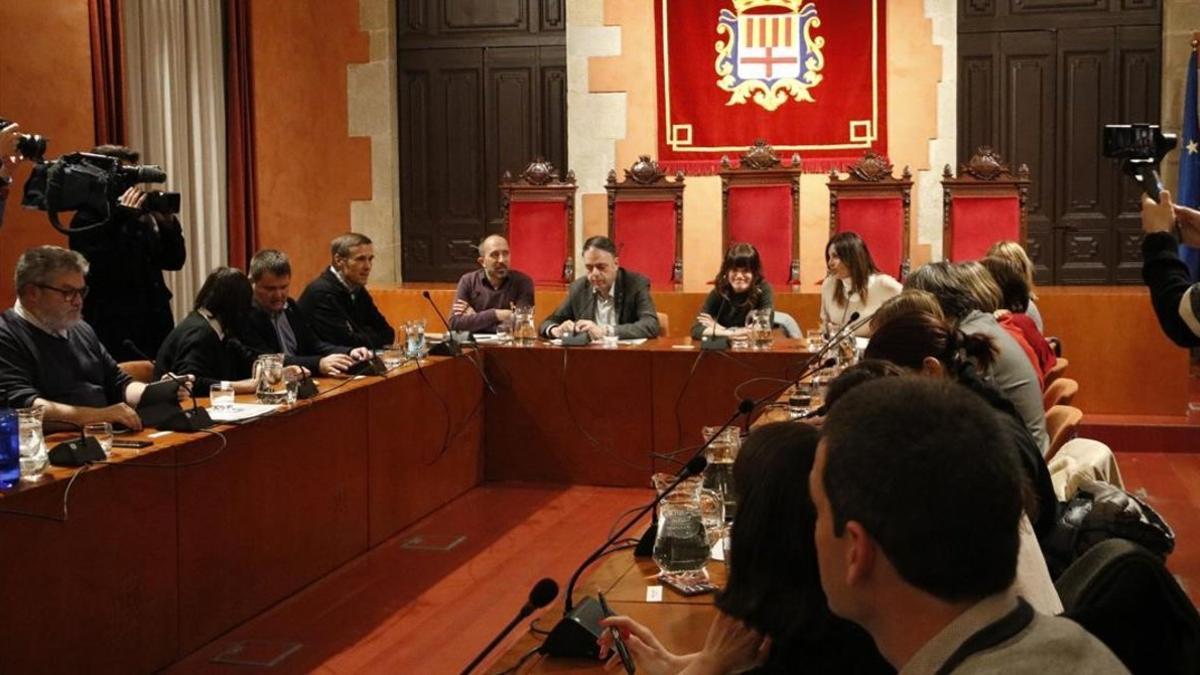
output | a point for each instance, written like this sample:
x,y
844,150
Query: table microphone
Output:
x,y
576,633
448,346
177,419
542,594
451,347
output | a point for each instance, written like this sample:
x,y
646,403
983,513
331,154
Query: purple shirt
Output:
x,y
515,290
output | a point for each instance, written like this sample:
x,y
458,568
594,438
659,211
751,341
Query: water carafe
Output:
x,y
681,546
268,375
718,475
524,332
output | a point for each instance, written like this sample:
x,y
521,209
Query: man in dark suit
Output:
x,y
607,296
276,325
337,302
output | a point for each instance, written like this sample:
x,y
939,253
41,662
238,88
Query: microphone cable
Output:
x,y
66,496
449,436
596,444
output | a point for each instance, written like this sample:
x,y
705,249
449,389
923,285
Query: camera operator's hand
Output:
x,y
1163,216
9,155
133,198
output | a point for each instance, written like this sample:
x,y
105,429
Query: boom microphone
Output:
x,y
542,594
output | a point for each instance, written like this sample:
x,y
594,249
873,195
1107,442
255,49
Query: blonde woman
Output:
x,y
1012,252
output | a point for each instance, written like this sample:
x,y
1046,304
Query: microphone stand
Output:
x,y
575,635
451,347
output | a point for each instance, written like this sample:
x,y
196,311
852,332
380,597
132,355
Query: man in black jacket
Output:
x,y
608,295
277,326
337,302
128,298
1175,298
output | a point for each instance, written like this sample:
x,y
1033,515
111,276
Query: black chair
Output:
x,y
1124,595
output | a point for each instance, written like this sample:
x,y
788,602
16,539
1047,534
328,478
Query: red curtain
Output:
x,y
241,188
108,85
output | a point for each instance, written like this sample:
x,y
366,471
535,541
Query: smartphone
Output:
x,y
121,443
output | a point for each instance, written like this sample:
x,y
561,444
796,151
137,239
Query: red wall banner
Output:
x,y
806,76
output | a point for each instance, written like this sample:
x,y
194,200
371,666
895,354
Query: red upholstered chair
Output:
x,y
645,221
877,206
539,221
760,205
985,204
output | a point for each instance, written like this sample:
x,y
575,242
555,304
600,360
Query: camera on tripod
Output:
x,y
94,183
1140,148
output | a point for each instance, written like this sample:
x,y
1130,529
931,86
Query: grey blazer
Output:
x,y
636,316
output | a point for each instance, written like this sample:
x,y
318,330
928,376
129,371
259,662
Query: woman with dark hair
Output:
x,y
738,289
1011,370
773,587
201,344
853,284
927,345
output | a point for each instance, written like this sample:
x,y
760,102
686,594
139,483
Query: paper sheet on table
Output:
x,y
486,337
718,551
240,412
632,341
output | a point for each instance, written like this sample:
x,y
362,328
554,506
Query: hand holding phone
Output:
x,y
618,643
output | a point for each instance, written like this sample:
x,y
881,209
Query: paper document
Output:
x,y
240,412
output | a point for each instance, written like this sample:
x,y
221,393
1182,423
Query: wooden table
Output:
x,y
159,558
680,623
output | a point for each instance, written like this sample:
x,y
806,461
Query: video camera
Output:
x,y
90,182
31,146
1139,148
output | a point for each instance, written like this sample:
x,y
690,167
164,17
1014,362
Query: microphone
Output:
x,y
162,412
449,346
542,594
77,451
715,342
576,633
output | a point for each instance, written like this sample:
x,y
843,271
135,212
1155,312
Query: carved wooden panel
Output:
x,y
1028,124
553,15
978,8
1028,6
1063,69
475,15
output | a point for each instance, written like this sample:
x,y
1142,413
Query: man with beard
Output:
x,y
50,358
486,297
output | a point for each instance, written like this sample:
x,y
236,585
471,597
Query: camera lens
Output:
x,y
150,173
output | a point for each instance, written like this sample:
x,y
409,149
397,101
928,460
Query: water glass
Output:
x,y
34,458
291,383
761,331
610,336
220,396
102,432
392,355
270,387
739,339
816,339
414,338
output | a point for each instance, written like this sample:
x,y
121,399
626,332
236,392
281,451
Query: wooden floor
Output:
x,y
398,610
1171,483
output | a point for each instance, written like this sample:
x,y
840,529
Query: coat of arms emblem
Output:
x,y
769,57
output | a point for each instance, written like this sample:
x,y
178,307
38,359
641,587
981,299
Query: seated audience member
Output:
x,y
1011,371
1033,580
738,289
486,297
1176,299
910,300
853,284
927,345
1015,301
773,587
276,325
609,295
986,294
202,345
50,358
337,302
918,500
1015,254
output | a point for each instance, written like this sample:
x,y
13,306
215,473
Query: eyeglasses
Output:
x,y
68,294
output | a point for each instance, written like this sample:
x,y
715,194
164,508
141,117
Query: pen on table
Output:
x,y
622,650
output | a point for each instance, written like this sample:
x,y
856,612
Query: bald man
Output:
x,y
486,297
